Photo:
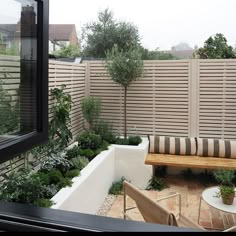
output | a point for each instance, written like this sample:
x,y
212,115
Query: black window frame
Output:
x,y
26,142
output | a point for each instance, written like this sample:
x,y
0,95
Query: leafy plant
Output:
x,y
59,126
88,153
91,108
104,129
124,67
156,183
54,176
65,182
58,162
72,152
224,177
89,140
117,187
121,141
79,162
22,187
134,140
72,173
227,188
68,51
43,202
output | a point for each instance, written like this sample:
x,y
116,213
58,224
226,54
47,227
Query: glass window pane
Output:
x,y
18,69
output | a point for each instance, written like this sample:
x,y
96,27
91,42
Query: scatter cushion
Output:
x,y
172,145
216,148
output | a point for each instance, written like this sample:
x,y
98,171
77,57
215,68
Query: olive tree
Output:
x,y
124,67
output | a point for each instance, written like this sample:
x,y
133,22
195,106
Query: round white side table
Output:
x,y
209,196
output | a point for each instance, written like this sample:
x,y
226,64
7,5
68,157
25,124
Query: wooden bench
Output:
x,y
191,161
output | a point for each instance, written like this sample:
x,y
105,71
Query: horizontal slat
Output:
x,y
191,161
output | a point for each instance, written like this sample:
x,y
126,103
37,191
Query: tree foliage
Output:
x,y
156,55
100,36
216,47
68,51
59,133
91,108
124,68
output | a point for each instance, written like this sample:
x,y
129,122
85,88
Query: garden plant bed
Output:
x,y
90,189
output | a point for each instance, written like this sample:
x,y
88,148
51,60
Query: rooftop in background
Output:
x,y
61,32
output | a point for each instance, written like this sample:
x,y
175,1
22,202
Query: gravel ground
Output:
x,y
106,205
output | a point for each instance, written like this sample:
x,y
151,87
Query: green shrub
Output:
x,y
91,108
58,162
88,153
44,178
134,140
156,183
89,140
117,187
72,153
121,141
55,176
43,202
72,173
22,187
224,177
65,182
104,129
50,190
79,162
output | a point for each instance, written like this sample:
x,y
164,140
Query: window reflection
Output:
x,y
18,68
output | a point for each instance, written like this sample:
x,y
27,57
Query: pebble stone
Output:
x,y
105,207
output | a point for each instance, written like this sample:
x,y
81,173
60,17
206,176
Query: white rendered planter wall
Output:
x,y
90,189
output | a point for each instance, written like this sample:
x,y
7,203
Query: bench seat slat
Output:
x,y
191,161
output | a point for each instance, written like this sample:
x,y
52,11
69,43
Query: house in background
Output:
x,y
59,35
62,35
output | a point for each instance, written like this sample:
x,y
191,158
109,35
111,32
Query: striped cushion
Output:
x,y
172,145
216,148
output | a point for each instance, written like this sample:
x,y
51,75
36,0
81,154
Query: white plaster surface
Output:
x,y
90,189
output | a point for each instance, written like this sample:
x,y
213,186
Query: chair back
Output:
x,y
151,211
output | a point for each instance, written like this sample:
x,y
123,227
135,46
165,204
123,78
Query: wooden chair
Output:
x,y
153,212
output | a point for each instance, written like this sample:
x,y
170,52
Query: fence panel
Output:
x,y
217,99
156,104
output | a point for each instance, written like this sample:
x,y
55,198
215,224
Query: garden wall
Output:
x,y
91,188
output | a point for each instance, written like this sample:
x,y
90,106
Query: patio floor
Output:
x,y
190,191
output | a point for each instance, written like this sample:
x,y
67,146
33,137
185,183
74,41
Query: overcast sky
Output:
x,y
161,23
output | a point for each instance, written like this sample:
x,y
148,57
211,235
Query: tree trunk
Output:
x,y
125,115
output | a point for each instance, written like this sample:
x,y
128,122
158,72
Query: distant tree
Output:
x,y
156,55
100,36
124,68
216,47
68,51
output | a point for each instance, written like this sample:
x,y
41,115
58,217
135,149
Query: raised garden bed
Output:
x,y
90,189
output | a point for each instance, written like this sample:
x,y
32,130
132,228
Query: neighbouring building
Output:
x,y
61,35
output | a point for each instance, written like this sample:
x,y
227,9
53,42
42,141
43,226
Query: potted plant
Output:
x,y
226,188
